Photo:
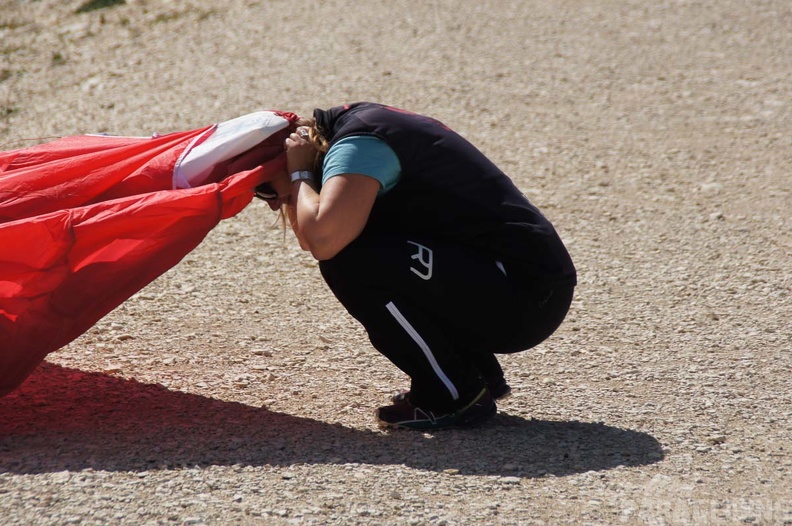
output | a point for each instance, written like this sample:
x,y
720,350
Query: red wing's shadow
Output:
x,y
66,419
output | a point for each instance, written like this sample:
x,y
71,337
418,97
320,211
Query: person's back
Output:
x,y
450,189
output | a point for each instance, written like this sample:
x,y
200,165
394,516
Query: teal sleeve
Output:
x,y
366,155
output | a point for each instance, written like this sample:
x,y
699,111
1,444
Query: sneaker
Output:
x,y
499,390
409,416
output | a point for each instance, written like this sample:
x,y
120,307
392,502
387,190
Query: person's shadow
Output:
x,y
66,419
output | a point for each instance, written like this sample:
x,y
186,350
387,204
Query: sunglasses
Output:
x,y
267,193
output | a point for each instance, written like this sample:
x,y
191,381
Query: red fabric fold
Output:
x,y
87,221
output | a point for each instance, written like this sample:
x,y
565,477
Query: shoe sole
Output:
x,y
462,423
503,396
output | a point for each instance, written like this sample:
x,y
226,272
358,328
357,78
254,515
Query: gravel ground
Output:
x,y
656,135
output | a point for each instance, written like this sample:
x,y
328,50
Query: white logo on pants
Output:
x,y
424,257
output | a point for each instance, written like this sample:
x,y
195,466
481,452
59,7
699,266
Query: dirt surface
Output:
x,y
656,135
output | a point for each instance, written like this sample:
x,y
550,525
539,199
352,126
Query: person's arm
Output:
x,y
291,216
326,222
330,220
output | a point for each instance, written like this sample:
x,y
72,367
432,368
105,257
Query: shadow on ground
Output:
x,y
66,419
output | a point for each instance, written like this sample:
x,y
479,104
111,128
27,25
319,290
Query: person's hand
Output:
x,y
300,153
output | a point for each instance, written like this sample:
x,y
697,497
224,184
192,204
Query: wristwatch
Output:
x,y
301,175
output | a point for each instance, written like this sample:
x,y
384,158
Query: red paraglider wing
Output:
x,y
76,171
87,221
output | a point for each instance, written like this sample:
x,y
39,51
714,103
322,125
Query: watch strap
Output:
x,y
301,175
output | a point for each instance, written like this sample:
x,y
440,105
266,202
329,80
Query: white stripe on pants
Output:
x,y
424,347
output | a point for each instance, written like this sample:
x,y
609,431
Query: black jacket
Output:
x,y
449,189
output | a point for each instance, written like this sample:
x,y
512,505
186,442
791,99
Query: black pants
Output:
x,y
440,311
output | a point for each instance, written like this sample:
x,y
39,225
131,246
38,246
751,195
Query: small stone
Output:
x,y
510,480
711,188
451,471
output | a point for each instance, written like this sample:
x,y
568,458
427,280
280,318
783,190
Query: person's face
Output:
x,y
282,186
300,155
